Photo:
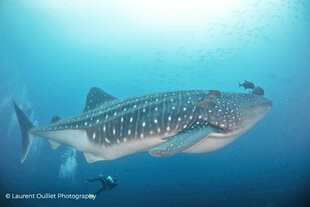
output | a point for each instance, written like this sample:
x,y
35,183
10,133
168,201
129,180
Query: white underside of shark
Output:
x,y
93,152
210,130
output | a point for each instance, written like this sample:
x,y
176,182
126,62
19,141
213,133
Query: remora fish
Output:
x,y
162,123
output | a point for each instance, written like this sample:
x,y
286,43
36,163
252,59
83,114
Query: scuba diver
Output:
x,y
108,183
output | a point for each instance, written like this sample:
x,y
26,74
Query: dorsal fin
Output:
x,y
55,119
95,97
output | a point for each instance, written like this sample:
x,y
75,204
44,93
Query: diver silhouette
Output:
x,y
108,183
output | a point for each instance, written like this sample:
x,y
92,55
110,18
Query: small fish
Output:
x,y
247,85
214,94
207,104
258,91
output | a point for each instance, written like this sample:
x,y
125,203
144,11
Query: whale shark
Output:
x,y
164,124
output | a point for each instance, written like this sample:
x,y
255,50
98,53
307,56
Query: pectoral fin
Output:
x,y
183,140
54,144
90,157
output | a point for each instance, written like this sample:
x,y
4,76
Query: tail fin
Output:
x,y
25,126
239,85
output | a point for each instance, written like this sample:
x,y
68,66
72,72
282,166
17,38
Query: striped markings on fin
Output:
x,y
183,140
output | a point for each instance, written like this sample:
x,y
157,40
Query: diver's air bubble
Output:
x,y
67,168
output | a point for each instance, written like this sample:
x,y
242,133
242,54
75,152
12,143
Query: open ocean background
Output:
x,y
53,52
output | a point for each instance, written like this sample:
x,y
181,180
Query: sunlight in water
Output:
x,y
105,21
179,12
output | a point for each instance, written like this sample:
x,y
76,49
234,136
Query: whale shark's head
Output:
x,y
231,115
228,116
237,111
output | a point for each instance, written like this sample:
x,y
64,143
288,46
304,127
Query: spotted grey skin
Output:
x,y
161,114
161,123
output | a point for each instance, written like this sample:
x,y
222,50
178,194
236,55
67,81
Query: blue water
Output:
x,y
53,52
